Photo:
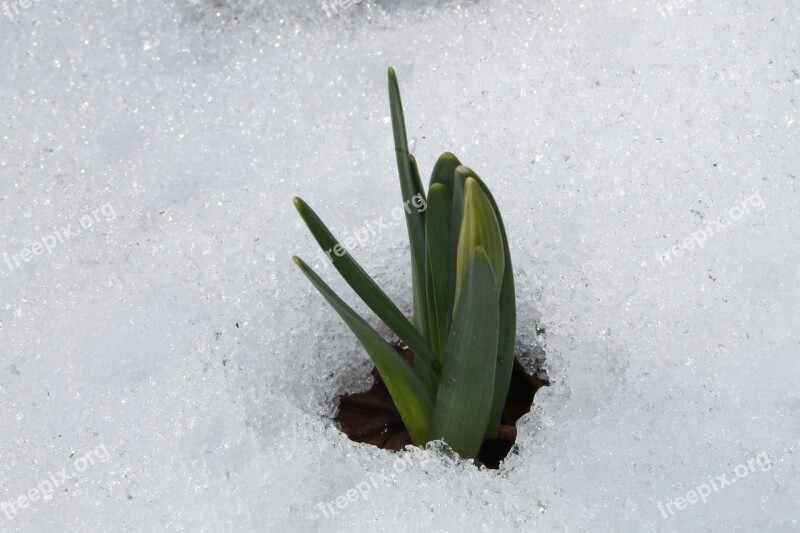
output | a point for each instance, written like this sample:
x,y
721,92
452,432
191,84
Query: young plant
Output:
x,y
464,315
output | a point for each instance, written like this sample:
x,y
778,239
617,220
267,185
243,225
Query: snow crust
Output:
x,y
174,365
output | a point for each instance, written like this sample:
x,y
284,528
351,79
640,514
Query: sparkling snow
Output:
x,y
165,366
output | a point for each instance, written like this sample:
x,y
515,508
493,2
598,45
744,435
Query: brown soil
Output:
x,y
372,418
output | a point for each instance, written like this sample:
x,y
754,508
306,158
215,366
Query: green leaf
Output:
x,y
446,242
441,262
508,321
433,325
506,347
464,400
479,227
418,278
459,179
369,291
412,398
444,170
410,187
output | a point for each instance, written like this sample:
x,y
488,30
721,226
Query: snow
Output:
x,y
167,368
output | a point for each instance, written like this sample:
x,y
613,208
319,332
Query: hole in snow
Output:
x,y
371,417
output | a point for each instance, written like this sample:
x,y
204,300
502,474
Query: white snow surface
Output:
x,y
179,372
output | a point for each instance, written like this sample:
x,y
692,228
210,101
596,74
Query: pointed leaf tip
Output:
x,y
479,228
410,186
298,202
450,157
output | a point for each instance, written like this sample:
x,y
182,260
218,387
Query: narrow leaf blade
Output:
x,y
441,262
371,293
409,394
445,243
508,321
464,400
418,277
410,187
